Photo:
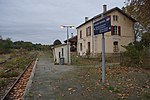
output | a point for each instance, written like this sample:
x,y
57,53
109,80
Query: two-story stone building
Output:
x,y
122,33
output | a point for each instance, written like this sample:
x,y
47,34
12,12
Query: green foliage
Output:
x,y
3,83
9,74
110,88
146,39
146,96
81,61
136,54
5,45
139,9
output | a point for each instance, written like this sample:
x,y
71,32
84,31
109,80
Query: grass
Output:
x,y
18,62
3,83
9,74
82,61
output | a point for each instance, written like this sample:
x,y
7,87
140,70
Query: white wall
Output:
x,y
58,49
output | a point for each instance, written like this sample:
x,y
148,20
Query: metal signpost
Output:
x,y
100,27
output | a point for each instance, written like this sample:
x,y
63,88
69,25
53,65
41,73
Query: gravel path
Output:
x,y
45,74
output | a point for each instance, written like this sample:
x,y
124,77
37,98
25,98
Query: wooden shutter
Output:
x,y
112,30
119,30
90,30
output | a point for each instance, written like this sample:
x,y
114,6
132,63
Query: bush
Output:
x,y
135,55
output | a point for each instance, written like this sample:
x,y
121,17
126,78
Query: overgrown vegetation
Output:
x,y
81,61
14,58
3,83
136,55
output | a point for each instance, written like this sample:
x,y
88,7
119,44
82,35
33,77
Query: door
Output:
x,y
89,47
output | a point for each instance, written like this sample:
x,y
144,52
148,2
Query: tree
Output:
x,y
1,37
140,10
57,42
6,45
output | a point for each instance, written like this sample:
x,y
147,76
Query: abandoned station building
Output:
x,y
122,33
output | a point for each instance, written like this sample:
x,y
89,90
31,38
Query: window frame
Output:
x,y
62,50
88,31
116,30
115,46
80,46
115,17
80,34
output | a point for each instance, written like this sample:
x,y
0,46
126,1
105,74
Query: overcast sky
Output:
x,y
39,21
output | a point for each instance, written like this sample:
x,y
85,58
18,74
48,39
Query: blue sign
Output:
x,y
102,26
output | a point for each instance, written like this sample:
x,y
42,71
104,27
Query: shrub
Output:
x,y
135,54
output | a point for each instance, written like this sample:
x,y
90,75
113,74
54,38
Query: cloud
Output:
x,y
39,20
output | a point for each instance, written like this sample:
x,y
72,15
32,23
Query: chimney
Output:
x,y
104,8
86,19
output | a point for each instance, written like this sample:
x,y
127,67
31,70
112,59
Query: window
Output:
x,y
88,31
59,54
116,48
115,18
80,46
80,33
89,47
62,50
116,30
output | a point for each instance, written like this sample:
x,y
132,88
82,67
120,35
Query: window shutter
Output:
x,y
90,30
119,30
86,31
112,30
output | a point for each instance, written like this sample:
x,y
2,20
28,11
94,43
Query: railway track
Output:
x,y
16,91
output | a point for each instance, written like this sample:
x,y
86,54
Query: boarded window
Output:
x,y
116,48
80,46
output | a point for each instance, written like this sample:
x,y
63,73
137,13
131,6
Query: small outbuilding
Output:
x,y
61,54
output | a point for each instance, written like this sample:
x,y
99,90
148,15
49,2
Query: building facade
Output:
x,y
122,33
61,52
73,43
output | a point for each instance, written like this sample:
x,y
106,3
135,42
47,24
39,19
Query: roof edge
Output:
x,y
107,12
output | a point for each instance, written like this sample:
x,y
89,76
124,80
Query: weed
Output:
x,y
146,96
3,83
9,74
110,88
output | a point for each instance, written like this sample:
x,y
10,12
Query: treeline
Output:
x,y
6,46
